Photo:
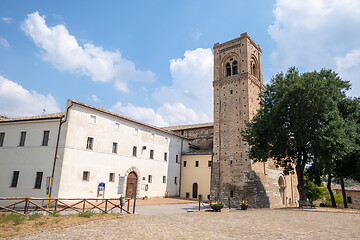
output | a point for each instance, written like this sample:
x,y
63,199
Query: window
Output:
x,y
134,151
38,180
165,156
150,179
349,199
177,158
228,70
231,68
90,143
231,193
209,163
2,137
175,180
164,179
184,163
86,176
117,126
112,177
136,131
151,154
234,68
92,119
196,163
22,139
15,178
45,138
115,146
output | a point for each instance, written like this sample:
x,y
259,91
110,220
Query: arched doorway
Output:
x,y
282,186
195,190
131,184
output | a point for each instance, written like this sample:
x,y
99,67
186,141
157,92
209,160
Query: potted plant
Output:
x,y
244,205
167,194
187,194
217,206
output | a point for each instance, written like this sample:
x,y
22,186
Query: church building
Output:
x,y
89,152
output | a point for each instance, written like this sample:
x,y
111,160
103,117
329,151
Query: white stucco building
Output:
x,y
86,146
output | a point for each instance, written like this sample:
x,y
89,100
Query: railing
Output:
x,y
25,206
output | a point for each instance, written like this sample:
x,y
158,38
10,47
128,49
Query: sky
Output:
x,y
153,60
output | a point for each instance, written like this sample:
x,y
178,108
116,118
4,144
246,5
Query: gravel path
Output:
x,y
233,224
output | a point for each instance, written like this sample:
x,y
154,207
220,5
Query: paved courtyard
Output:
x,y
233,224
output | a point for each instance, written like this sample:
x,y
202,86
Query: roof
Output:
x,y
33,118
102,110
190,126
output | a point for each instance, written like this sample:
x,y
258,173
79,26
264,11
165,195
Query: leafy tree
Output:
x,y
293,111
312,190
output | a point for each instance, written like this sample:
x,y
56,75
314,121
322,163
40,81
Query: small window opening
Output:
x,y
134,151
228,70
234,68
231,194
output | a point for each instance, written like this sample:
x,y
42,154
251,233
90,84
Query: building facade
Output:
x,y
238,80
95,146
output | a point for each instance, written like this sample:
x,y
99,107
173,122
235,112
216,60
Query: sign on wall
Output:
x,y
121,184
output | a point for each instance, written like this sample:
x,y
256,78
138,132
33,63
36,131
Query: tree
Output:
x,y
293,110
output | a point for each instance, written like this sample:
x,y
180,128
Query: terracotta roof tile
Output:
x,y
190,126
100,109
39,117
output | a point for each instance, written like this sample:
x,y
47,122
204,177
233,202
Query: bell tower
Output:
x,y
238,80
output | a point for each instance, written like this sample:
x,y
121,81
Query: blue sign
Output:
x,y
102,184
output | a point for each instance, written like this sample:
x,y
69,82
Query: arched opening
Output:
x,y
254,68
195,190
282,186
234,68
228,70
131,183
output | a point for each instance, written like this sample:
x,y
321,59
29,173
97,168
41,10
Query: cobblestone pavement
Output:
x,y
228,224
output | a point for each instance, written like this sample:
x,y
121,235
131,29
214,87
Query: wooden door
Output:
x,y
131,184
195,190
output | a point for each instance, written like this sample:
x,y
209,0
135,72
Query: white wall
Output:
x,y
100,161
29,159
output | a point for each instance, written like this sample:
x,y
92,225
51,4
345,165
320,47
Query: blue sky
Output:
x,y
152,60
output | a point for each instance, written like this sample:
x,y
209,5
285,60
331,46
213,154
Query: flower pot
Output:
x,y
244,207
217,208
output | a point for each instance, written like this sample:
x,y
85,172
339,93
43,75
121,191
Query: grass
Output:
x,y
14,224
86,214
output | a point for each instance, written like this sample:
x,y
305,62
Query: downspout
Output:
x,y
56,148
182,140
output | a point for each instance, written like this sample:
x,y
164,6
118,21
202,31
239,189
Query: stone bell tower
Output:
x,y
238,79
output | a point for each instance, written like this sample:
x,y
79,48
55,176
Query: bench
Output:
x,y
306,203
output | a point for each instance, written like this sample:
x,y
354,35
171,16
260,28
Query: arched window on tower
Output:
x,y
228,70
234,68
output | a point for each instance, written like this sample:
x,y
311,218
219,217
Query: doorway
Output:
x,y
195,190
131,184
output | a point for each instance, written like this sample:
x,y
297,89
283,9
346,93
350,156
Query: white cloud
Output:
x,y
349,68
189,98
147,115
4,42
312,34
192,83
15,101
95,98
7,20
65,54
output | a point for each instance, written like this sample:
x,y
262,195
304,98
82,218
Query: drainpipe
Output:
x,y
182,140
56,148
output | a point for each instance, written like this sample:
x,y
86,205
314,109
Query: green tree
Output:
x,y
293,110
312,190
